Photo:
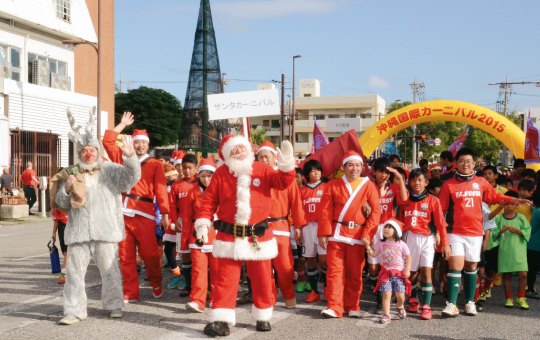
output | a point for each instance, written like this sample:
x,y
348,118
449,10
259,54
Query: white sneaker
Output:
x,y
354,314
470,308
451,310
328,313
69,320
194,307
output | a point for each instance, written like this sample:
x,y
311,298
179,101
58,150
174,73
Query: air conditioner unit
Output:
x,y
65,83
55,80
40,72
5,69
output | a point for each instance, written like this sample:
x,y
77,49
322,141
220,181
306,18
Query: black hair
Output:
x,y
381,164
447,155
190,158
526,184
519,162
434,183
501,180
164,155
423,162
310,165
396,237
417,173
401,171
492,168
464,152
536,198
299,171
508,180
528,173
511,193
392,157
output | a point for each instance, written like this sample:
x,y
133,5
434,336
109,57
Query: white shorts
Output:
x,y
372,260
377,238
422,249
293,240
310,246
468,246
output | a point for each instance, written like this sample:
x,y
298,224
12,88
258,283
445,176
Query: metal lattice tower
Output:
x,y
204,79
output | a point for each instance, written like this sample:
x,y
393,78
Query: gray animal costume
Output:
x,y
94,229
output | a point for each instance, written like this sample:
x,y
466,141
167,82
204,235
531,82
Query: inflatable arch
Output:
x,y
449,110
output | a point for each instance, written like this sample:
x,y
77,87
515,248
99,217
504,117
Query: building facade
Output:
x,y
41,77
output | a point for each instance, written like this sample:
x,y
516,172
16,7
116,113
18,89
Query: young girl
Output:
x,y
60,220
394,270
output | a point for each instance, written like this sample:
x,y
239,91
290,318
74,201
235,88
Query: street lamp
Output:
x,y
293,101
96,47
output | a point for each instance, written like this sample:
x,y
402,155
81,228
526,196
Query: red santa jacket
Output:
x,y
178,194
192,204
140,199
283,202
245,199
341,215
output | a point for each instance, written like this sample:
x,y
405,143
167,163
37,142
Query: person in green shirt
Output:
x,y
533,248
512,234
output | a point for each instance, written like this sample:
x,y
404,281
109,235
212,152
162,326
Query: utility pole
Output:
x,y
505,90
417,89
282,111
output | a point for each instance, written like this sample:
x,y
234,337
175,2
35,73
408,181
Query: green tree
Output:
x,y
403,136
155,110
258,136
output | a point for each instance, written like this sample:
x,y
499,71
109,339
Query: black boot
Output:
x,y
217,328
378,304
263,326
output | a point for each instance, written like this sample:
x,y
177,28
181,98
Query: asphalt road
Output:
x,y
31,305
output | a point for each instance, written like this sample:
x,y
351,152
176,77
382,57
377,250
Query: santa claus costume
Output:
x,y
241,189
284,202
342,221
201,253
139,218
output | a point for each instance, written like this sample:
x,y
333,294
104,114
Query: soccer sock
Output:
x,y
469,282
521,293
302,276
414,291
176,271
313,276
483,286
509,294
477,290
373,281
323,274
63,271
427,292
488,281
186,269
454,283
295,258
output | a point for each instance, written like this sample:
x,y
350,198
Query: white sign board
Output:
x,y
343,124
243,104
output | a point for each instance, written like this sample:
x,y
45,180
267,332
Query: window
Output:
x,y
319,117
365,116
533,120
63,10
266,123
3,53
55,66
275,124
350,115
11,55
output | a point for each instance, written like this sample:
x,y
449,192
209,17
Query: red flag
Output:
x,y
331,156
531,143
319,138
246,129
454,148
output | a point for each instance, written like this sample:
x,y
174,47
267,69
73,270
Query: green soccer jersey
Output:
x,y
512,246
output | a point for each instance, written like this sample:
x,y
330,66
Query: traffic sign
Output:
x,y
437,141
431,141
420,154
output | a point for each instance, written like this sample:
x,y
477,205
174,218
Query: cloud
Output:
x,y
378,83
274,8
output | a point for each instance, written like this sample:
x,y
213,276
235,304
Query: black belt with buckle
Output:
x,y
350,224
276,219
139,198
241,230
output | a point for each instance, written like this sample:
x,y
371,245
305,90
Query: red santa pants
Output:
x,y
345,262
140,233
284,266
199,276
226,289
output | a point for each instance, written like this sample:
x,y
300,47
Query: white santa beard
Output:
x,y
242,170
88,167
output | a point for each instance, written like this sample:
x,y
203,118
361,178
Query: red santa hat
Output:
x,y
229,142
179,156
398,225
207,164
267,145
140,135
173,156
352,155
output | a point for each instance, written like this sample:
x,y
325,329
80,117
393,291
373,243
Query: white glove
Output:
x,y
285,160
202,226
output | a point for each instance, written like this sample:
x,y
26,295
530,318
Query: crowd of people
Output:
x,y
260,214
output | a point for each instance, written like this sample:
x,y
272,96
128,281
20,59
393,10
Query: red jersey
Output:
x,y
27,177
390,201
461,201
58,216
178,194
424,216
311,200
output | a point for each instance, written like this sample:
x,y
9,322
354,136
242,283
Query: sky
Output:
x,y
353,46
